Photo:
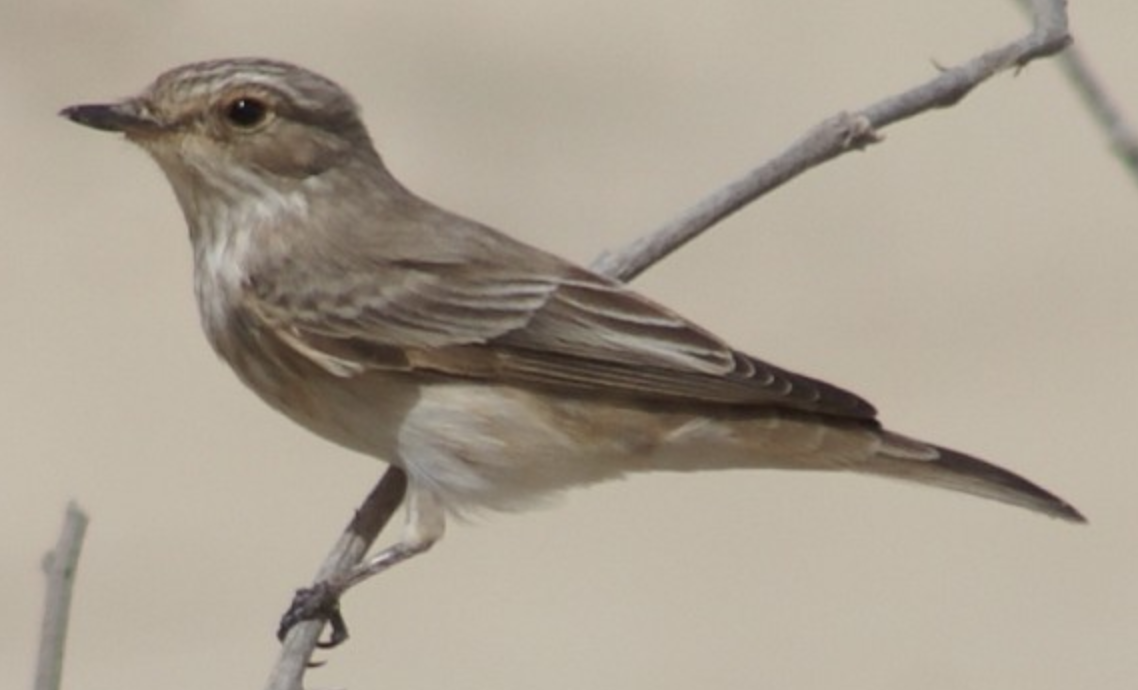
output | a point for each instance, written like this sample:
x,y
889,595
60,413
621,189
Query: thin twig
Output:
x,y
1123,138
831,138
837,135
60,566
354,543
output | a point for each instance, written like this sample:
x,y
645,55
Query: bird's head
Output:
x,y
230,126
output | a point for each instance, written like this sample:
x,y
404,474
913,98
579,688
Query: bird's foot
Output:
x,y
318,602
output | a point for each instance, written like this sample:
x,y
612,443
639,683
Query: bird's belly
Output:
x,y
363,413
485,446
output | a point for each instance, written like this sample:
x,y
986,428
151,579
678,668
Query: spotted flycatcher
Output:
x,y
490,371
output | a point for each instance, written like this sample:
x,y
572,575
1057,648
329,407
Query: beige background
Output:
x,y
973,276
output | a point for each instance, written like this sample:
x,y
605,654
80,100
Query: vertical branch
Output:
x,y
59,565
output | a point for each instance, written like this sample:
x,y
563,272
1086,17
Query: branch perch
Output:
x,y
837,135
833,137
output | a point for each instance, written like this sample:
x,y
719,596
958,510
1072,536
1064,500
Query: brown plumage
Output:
x,y
494,373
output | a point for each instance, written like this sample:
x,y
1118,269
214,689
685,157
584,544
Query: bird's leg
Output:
x,y
426,522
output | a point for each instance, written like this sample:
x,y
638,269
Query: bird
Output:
x,y
495,374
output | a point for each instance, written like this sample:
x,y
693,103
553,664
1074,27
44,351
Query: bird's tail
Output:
x,y
904,458
809,442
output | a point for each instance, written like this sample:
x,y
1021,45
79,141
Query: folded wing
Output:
x,y
535,321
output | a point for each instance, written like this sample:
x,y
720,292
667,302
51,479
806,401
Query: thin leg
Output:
x,y
426,522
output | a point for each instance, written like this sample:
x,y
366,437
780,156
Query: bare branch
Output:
x,y
1122,136
827,140
59,565
838,135
354,543
831,138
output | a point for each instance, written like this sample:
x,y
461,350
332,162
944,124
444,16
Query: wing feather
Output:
x,y
541,322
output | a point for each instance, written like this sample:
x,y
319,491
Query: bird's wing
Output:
x,y
548,325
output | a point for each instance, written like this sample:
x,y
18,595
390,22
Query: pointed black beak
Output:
x,y
112,117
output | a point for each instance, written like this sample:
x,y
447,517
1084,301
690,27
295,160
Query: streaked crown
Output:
x,y
224,120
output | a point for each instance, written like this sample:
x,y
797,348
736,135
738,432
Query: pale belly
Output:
x,y
484,446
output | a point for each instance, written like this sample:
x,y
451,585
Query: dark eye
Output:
x,y
246,112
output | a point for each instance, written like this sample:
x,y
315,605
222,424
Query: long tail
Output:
x,y
904,458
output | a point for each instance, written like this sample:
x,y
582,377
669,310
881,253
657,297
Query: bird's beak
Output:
x,y
125,116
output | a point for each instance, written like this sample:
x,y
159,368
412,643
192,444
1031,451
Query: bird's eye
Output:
x,y
246,112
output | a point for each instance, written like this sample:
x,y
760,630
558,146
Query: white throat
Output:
x,y
227,232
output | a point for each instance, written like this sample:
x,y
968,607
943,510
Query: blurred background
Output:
x,y
972,276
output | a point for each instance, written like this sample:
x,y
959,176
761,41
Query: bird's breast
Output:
x,y
218,276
